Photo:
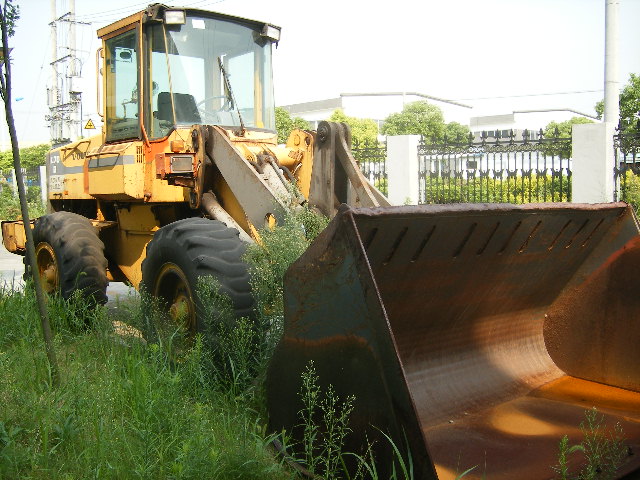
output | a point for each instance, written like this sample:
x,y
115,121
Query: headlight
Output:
x,y
181,163
174,17
271,32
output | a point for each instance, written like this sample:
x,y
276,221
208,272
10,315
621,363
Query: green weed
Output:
x,y
603,450
325,427
325,423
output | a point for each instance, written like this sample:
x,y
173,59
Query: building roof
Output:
x,y
406,94
318,105
570,110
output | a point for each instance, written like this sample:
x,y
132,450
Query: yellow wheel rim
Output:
x,y
172,289
47,267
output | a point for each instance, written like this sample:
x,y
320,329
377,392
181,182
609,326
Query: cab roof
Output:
x,y
155,11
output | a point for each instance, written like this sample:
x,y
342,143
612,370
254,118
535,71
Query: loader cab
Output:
x,y
165,67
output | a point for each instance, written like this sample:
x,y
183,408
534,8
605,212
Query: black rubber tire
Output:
x,y
78,251
200,247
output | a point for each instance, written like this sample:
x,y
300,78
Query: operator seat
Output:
x,y
185,105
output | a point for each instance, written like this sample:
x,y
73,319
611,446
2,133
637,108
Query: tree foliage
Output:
x,y
363,130
456,132
423,118
11,16
561,130
285,123
629,106
29,156
564,128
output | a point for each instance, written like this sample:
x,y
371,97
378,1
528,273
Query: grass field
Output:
x,y
167,406
124,409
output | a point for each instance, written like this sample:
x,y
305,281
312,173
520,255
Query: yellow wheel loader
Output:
x,y
469,334
187,168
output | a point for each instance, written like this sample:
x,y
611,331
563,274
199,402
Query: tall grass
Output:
x,y
164,407
124,408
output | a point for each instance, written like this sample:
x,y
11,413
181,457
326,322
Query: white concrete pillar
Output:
x,y
593,162
14,182
43,184
402,169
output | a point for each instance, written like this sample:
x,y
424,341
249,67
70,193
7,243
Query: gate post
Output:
x,y
403,169
43,184
14,182
593,163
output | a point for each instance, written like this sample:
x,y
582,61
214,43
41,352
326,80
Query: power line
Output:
x,y
117,13
27,120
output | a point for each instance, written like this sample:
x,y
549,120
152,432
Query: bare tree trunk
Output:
x,y
5,85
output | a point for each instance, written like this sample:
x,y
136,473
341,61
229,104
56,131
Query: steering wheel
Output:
x,y
213,114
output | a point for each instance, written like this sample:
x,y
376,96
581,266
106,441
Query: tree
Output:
x,y
564,128
423,118
29,156
561,130
285,124
363,130
9,14
456,132
629,106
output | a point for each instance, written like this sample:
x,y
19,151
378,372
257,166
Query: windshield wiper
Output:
x,y
234,104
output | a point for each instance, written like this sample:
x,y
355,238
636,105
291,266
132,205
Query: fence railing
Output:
x,y
372,158
511,169
31,178
626,172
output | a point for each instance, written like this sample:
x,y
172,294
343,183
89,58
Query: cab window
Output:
x,y
122,98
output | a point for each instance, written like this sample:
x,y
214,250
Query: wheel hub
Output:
x,y
172,289
47,267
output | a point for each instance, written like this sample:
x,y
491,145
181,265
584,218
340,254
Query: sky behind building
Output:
x,y
497,55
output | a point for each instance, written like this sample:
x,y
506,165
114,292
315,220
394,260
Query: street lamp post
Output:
x,y
611,81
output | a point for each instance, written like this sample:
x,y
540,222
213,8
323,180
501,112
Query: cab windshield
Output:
x,y
187,84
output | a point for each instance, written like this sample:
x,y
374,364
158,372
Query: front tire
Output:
x,y
183,252
70,256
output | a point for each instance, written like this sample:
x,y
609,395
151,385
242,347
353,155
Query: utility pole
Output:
x,y
65,122
611,80
53,94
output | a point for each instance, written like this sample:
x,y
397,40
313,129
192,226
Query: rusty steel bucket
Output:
x,y
471,335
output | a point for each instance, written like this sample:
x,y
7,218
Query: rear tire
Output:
x,y
70,256
184,251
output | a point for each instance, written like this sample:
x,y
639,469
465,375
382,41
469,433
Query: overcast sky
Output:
x,y
498,55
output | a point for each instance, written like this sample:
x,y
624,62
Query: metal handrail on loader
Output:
x,y
470,334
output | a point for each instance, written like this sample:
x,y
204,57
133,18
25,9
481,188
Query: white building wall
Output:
x,y
538,120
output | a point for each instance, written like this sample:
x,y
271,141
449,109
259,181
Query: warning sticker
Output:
x,y
89,125
56,183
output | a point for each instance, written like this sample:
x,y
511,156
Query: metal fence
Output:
x,y
31,178
522,168
627,168
372,159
